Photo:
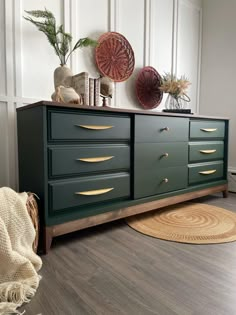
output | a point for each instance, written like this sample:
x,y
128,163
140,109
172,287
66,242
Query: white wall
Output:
x,y
158,30
218,74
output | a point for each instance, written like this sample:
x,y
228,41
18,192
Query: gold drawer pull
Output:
x,y
96,159
165,129
207,172
208,129
165,154
165,180
94,192
94,127
207,151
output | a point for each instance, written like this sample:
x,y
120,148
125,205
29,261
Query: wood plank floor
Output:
x,y
112,269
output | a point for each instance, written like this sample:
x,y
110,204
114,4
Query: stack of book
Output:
x,y
88,88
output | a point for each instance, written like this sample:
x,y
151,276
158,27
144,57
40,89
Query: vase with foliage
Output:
x,y
60,40
177,90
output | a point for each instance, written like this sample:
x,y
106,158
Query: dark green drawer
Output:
x,y
150,181
206,151
88,190
207,129
68,160
205,172
159,155
160,129
73,126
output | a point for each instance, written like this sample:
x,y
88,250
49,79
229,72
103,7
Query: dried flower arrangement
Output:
x,y
60,40
176,87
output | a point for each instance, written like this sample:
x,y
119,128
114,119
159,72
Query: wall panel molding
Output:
x,y
9,50
9,47
199,60
113,26
18,100
4,171
74,30
18,48
192,6
113,19
70,18
12,145
174,37
67,20
147,33
13,99
3,88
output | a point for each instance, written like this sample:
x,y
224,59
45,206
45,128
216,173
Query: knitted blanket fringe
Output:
x,y
18,293
9,309
19,264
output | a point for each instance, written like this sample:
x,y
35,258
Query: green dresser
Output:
x,y
160,155
207,157
88,160
200,151
207,129
91,165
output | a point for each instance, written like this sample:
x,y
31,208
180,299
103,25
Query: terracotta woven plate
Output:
x,y
147,88
114,56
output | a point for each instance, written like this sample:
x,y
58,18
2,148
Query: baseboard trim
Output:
x,y
231,170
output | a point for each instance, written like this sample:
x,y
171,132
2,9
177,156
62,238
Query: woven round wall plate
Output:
x,y
148,88
114,56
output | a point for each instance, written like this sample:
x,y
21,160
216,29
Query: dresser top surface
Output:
x,y
113,110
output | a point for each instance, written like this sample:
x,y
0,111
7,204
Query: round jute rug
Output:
x,y
194,223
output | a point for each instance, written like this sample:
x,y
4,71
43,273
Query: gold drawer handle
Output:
x,y
208,129
165,129
94,127
165,155
96,159
94,192
207,172
165,180
207,151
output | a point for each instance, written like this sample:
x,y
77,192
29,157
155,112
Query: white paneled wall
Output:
x,y
188,47
165,34
38,57
92,20
130,23
162,28
4,165
2,51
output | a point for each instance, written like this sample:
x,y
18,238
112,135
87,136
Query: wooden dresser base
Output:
x,y
60,229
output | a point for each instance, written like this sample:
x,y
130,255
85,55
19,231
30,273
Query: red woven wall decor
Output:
x,y
147,88
114,56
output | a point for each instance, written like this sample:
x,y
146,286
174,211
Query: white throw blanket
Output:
x,y
18,262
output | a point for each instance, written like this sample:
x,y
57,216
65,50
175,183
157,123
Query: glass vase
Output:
x,y
175,102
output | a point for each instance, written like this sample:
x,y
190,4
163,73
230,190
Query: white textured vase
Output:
x,y
62,76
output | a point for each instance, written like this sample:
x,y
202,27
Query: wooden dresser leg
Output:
x,y
225,193
47,239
